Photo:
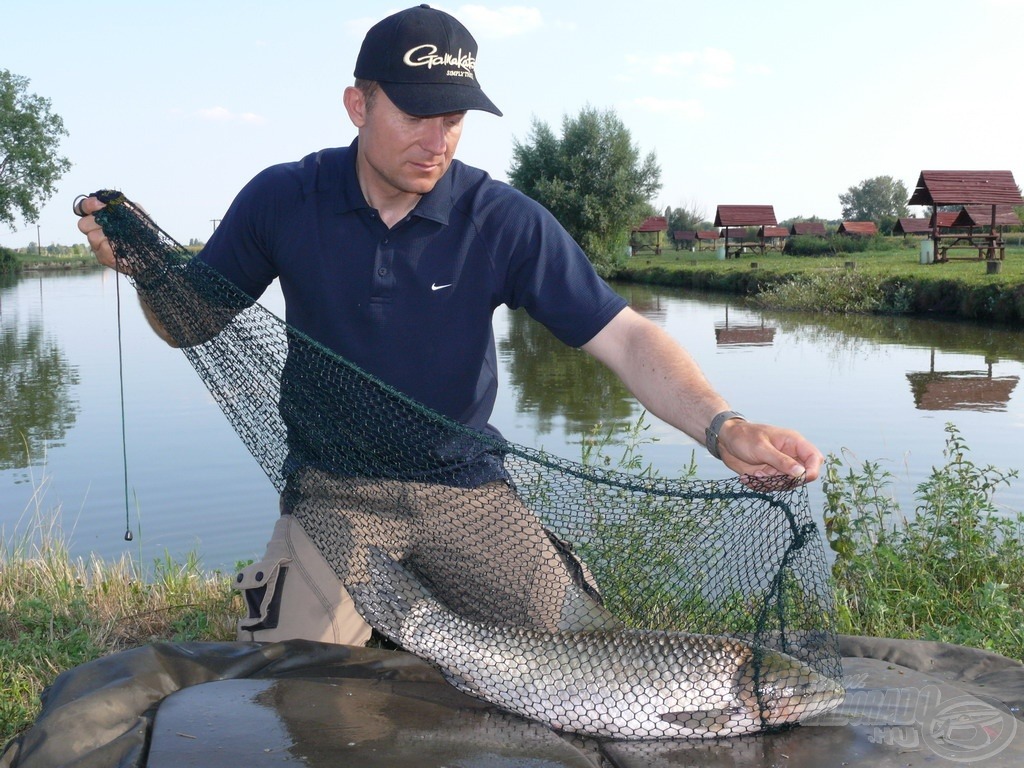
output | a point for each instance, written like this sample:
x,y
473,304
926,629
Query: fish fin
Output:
x,y
387,599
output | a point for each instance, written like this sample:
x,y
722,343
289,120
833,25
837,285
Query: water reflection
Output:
x,y
551,381
961,390
741,334
35,383
990,343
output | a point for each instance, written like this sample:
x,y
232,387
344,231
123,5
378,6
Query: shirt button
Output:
x,y
382,271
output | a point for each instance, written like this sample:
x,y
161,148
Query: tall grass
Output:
x,y
953,571
837,290
57,612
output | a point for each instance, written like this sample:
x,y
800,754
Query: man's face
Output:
x,y
404,153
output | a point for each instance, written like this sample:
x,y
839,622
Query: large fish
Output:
x,y
625,684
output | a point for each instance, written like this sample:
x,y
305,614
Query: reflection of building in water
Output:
x,y
743,335
960,390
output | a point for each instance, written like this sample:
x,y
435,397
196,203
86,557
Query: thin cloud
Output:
x,y
712,68
505,21
687,109
224,115
482,21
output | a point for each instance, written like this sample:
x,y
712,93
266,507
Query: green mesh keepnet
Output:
x,y
591,600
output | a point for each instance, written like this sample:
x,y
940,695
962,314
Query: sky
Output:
x,y
742,102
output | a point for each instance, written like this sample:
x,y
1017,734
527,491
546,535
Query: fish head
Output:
x,y
786,690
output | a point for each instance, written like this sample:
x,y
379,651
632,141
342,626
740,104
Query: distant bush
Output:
x,y
8,260
808,245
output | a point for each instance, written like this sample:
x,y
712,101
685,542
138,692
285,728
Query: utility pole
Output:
x,y
215,223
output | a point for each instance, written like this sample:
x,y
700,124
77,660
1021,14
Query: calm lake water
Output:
x,y
871,389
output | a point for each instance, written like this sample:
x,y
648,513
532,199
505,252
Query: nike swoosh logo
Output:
x,y
436,287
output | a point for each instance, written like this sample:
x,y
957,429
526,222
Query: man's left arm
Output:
x,y
667,381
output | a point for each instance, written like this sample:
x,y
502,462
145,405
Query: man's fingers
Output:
x,y
86,205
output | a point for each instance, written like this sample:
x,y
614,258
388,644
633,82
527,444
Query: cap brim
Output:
x,y
424,100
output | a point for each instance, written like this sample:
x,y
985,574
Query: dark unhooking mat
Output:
x,y
218,705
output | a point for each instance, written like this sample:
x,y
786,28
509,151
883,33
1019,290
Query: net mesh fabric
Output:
x,y
595,601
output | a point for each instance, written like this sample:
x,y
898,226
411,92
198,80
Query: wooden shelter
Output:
x,y
647,236
812,228
684,238
981,215
991,189
912,226
738,218
772,238
858,228
707,239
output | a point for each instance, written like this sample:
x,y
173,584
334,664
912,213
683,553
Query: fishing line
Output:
x,y
120,375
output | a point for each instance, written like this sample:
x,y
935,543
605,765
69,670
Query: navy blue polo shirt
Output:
x,y
412,305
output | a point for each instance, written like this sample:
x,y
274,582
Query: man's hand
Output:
x,y
89,227
765,451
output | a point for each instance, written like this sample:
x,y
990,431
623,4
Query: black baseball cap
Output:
x,y
425,61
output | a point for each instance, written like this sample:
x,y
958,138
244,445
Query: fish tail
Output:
x,y
386,601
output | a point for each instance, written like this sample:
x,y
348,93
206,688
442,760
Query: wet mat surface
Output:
x,y
908,703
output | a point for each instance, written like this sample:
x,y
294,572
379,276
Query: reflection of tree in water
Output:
x,y
550,383
854,333
34,383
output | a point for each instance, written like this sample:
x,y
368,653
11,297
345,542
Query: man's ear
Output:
x,y
355,104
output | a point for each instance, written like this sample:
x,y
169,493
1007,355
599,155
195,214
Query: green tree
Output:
x,y
29,142
690,217
881,199
592,179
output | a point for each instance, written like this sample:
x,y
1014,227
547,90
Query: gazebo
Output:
x,y
991,189
740,217
648,235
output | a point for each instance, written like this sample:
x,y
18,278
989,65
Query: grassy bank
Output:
x,y
887,278
57,612
952,571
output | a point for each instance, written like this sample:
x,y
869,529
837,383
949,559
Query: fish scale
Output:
x,y
623,684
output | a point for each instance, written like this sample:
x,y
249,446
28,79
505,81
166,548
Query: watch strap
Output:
x,y
711,433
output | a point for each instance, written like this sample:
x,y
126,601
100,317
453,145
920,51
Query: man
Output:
x,y
394,255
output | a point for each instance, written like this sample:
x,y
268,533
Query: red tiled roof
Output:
x,y
858,228
744,215
808,228
653,224
912,226
966,187
981,216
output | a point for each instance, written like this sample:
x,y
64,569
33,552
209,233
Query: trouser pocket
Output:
x,y
262,585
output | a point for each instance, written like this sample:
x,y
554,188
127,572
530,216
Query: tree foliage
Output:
x,y
30,163
881,199
592,179
690,217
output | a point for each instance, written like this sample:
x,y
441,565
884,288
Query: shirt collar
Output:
x,y
436,205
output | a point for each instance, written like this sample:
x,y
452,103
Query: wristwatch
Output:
x,y
711,433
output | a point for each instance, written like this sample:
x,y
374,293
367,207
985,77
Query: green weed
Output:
x,y
953,571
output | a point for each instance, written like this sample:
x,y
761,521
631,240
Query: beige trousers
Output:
x,y
481,551
292,593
